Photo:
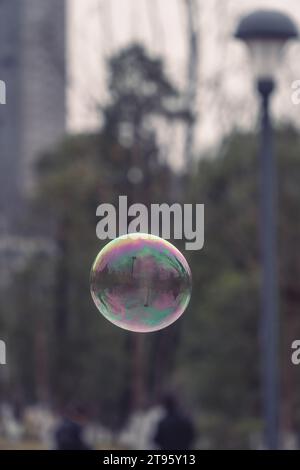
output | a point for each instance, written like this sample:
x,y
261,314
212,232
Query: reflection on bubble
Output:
x,y
141,282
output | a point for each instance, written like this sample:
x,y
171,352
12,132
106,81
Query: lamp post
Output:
x,y
266,32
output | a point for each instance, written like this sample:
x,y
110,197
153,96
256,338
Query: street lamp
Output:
x,y
266,32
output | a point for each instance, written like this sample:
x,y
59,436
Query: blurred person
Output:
x,y
11,422
69,433
142,425
175,430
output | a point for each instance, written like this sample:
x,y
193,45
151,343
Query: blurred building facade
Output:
x,y
32,64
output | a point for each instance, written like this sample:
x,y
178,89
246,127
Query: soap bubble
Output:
x,y
141,282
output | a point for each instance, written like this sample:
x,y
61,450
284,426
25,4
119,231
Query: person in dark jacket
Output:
x,y
69,432
175,431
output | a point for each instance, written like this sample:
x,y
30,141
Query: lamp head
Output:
x,y
265,32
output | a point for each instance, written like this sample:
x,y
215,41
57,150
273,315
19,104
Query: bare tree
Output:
x,y
192,13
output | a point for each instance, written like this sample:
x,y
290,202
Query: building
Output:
x,y
32,64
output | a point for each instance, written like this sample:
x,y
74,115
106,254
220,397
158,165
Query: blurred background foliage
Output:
x,y
210,357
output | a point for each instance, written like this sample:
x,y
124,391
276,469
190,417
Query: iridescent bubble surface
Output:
x,y
141,282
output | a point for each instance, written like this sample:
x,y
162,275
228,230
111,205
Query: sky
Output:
x,y
226,95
